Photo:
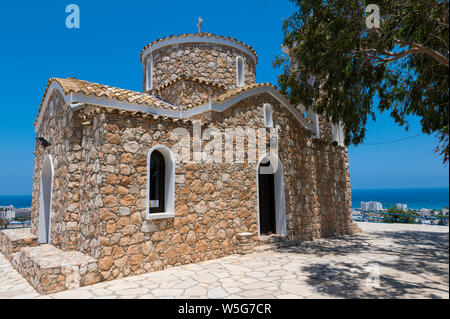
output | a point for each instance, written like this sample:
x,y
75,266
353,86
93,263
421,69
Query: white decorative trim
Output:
x,y
337,133
121,105
149,73
280,201
51,108
169,179
160,215
220,107
43,236
53,86
240,71
77,100
268,112
197,39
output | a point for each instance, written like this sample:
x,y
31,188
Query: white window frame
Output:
x,y
240,71
169,181
277,169
149,74
337,132
51,108
268,115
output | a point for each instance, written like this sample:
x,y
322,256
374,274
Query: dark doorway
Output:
x,y
266,187
157,182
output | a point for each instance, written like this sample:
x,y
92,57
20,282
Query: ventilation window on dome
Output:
x,y
51,108
149,74
240,71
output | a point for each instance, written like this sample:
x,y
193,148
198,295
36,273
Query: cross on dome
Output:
x,y
199,24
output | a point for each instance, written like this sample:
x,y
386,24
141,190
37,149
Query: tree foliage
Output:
x,y
395,215
344,70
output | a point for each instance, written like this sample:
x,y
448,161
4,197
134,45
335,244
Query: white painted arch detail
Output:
x,y
169,179
240,71
53,86
149,73
45,200
78,100
268,111
280,202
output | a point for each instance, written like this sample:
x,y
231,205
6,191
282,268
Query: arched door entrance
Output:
x,y
45,205
271,201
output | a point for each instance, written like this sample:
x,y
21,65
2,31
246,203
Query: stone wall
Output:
x,y
325,128
213,201
206,61
91,180
64,134
100,187
187,92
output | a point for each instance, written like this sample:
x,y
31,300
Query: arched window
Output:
x,y
149,74
51,108
268,121
240,76
160,183
157,179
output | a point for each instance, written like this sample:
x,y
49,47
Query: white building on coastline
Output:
x,y
371,206
401,206
8,215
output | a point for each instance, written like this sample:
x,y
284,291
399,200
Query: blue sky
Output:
x,y
36,45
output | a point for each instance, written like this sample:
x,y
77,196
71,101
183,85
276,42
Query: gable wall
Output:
x,y
65,136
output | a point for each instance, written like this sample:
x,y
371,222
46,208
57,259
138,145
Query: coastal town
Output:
x,y
11,217
373,211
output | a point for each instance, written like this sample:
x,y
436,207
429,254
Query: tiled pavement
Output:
x,y
411,261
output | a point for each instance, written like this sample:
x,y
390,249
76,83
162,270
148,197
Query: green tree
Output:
x,y
345,70
395,215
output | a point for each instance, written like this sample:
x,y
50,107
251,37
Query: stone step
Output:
x,y
12,240
49,269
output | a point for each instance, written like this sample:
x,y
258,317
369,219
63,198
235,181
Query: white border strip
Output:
x,y
220,107
53,86
77,100
121,105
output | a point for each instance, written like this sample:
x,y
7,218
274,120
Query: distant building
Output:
x,y
8,215
23,213
425,212
401,206
371,206
444,211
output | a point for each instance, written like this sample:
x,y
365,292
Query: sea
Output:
x,y
415,198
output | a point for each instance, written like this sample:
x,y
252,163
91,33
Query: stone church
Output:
x,y
113,196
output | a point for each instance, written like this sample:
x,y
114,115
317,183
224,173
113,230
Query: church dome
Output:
x,y
202,56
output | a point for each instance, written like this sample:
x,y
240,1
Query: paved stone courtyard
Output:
x,y
411,261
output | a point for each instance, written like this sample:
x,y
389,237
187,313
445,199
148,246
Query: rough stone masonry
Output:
x,y
101,137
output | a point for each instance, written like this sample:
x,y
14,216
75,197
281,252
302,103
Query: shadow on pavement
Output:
x,y
409,264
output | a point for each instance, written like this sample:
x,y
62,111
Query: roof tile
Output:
x,y
72,85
